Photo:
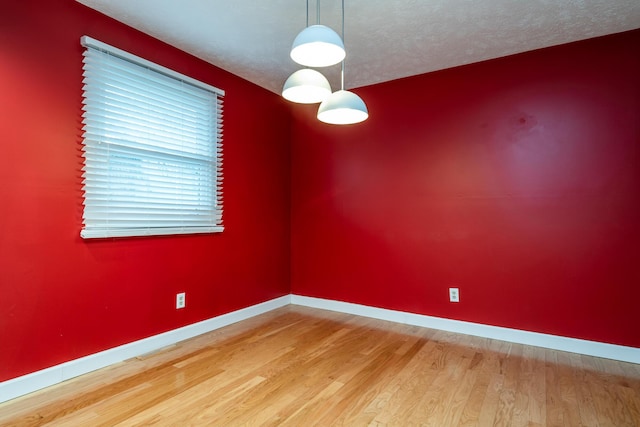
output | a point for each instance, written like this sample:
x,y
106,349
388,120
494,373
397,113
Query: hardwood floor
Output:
x,y
297,366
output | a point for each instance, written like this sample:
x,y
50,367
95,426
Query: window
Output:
x,y
152,148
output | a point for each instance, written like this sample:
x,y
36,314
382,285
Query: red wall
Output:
x,y
516,180
62,297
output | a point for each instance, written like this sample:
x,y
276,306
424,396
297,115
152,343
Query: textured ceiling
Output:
x,y
384,39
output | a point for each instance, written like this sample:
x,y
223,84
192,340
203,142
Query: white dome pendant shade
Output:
x,y
317,46
306,86
343,108
320,46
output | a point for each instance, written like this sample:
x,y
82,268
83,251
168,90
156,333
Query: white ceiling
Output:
x,y
384,39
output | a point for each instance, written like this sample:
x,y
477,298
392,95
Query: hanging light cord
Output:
x,y
342,68
307,13
343,21
318,12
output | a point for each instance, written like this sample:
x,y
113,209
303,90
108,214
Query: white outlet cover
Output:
x,y
454,295
180,300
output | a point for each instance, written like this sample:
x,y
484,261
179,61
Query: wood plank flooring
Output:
x,y
297,366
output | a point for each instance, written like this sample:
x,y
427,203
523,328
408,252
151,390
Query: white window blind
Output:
x,y
152,148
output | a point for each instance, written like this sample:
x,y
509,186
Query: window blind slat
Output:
x,y
130,139
109,99
152,149
114,68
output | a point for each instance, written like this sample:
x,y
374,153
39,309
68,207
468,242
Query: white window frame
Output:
x,y
142,178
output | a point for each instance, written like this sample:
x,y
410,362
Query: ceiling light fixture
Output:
x,y
343,107
306,86
317,45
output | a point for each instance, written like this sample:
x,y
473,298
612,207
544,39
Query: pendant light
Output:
x,y
306,86
343,107
317,45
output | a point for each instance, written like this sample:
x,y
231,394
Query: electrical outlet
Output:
x,y
180,300
454,295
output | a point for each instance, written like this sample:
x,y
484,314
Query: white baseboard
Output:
x,y
572,345
56,374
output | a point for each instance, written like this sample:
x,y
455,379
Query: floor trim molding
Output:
x,y
555,342
35,381
29,383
